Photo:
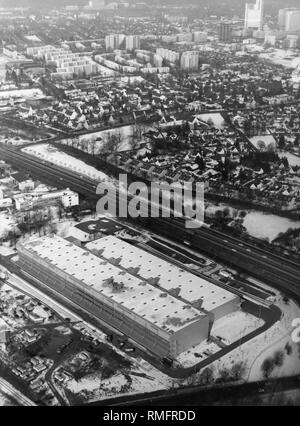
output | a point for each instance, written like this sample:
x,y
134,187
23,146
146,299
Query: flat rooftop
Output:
x,y
168,276
102,224
148,302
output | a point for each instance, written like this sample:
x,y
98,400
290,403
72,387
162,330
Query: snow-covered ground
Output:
x,y
24,93
256,351
216,118
5,250
143,378
230,329
234,326
196,354
7,223
94,383
293,160
50,154
268,141
263,225
286,58
125,133
259,224
16,141
5,401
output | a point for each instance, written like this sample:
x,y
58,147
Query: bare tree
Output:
x,y
112,143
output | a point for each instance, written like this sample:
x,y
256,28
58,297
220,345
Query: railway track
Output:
x,y
279,272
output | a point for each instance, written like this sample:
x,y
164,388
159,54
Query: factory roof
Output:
x,y
102,224
112,282
167,276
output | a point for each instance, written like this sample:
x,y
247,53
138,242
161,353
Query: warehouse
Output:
x,y
161,323
190,288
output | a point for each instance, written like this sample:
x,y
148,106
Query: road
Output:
x,y
275,270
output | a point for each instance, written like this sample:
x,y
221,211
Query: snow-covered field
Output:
x,y
143,378
234,326
5,250
14,141
259,224
216,118
50,154
268,140
196,354
5,401
286,58
125,133
7,223
230,329
94,383
263,225
293,160
24,93
256,351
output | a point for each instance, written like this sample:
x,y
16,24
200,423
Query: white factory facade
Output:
x,y
27,201
162,308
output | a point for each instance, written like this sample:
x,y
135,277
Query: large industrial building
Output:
x,y
162,308
186,286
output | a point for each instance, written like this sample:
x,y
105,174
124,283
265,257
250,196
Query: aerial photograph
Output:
x,y
149,205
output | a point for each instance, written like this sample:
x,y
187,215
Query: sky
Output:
x,y
271,5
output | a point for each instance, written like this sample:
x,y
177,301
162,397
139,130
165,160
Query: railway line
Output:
x,y
15,394
279,272
276,271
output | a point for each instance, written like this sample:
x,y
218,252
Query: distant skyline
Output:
x,y
238,4
49,3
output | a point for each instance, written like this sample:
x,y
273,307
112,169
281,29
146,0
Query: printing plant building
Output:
x,y
149,314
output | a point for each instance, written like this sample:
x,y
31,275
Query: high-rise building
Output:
x,y
167,54
190,61
199,37
225,32
157,61
254,15
283,15
110,42
292,23
132,42
96,4
114,41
